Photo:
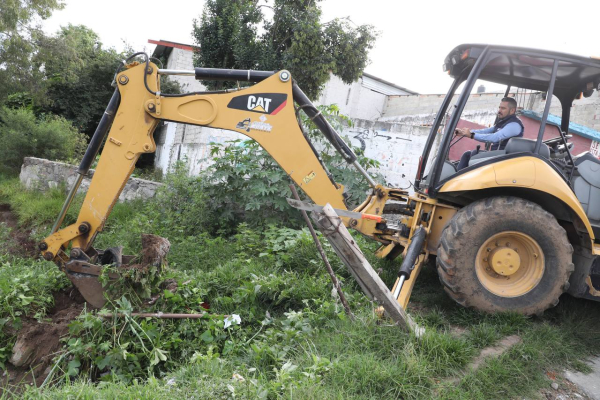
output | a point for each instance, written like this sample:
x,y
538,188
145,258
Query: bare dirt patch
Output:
x,y
38,342
494,351
19,241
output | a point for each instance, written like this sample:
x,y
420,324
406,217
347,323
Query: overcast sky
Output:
x,y
415,36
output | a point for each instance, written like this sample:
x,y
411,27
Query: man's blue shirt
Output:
x,y
486,135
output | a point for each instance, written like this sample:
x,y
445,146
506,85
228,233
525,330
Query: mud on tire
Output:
x,y
472,226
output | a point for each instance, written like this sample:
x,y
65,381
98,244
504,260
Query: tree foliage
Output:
x,y
68,73
78,74
233,23
229,35
19,35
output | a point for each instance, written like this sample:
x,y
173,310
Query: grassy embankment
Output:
x,y
294,339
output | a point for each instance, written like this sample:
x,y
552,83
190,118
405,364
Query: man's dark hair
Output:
x,y
511,101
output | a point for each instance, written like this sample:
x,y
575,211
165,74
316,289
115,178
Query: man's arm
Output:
x,y
510,130
466,132
484,131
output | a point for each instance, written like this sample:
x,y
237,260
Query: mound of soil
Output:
x,y
38,342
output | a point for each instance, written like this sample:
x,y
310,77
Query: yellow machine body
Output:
x,y
265,112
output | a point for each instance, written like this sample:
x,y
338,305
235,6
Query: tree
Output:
x,y
19,32
78,75
228,34
294,39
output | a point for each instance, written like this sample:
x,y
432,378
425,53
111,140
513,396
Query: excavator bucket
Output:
x,y
84,272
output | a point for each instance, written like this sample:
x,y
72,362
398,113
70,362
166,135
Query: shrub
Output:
x,y
179,207
245,184
24,135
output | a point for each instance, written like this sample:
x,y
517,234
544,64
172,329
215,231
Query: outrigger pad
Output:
x,y
346,248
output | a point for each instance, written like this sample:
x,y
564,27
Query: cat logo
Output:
x,y
263,103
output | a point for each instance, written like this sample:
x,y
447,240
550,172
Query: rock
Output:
x,y
22,352
554,385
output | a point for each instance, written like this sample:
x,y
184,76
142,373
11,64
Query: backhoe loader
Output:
x,y
512,231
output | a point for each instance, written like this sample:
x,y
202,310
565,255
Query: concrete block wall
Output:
x,y
479,117
430,103
40,174
183,60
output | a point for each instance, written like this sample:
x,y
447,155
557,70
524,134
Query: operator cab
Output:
x,y
528,76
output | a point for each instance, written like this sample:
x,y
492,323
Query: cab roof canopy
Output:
x,y
527,68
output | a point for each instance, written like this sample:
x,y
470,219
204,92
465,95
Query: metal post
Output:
x,y
67,204
364,173
538,144
399,287
180,72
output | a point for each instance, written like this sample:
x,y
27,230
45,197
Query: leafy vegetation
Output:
x,y
236,34
24,135
246,184
26,289
19,34
294,339
78,76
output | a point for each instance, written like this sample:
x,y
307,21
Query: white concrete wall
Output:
x,y
397,147
354,100
421,109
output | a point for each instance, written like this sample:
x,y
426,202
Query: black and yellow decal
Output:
x,y
263,103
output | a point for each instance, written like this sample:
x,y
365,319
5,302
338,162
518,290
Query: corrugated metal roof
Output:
x,y
573,127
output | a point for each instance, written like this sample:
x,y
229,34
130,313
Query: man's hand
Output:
x,y
466,132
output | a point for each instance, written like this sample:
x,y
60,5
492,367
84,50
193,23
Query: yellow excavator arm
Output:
x,y
264,112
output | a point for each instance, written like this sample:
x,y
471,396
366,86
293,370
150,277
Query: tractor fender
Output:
x,y
529,173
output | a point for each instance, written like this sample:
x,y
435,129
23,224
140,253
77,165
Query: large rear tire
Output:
x,y
505,254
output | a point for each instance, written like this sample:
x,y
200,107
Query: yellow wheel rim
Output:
x,y
510,264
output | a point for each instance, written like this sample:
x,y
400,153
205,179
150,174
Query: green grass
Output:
x,y
295,340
